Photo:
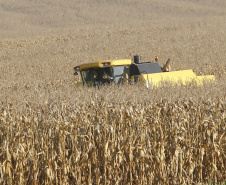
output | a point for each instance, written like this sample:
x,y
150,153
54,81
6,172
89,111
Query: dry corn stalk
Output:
x,y
164,143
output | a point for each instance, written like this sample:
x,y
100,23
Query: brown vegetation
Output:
x,y
52,132
100,141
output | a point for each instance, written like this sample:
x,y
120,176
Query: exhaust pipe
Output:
x,y
137,59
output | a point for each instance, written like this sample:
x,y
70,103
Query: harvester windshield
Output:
x,y
107,75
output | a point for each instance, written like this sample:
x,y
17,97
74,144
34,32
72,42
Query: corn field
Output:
x,y
54,133
106,142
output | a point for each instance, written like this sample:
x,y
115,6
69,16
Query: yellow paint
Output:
x,y
184,77
98,64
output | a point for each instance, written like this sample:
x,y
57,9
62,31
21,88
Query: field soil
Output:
x,y
52,132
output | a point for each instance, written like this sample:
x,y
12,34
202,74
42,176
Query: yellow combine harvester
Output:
x,y
126,70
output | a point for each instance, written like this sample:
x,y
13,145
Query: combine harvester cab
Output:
x,y
148,73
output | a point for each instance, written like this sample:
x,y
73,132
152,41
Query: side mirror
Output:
x,y
76,73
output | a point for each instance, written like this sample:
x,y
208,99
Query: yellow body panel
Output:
x,y
184,77
79,84
207,78
111,63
